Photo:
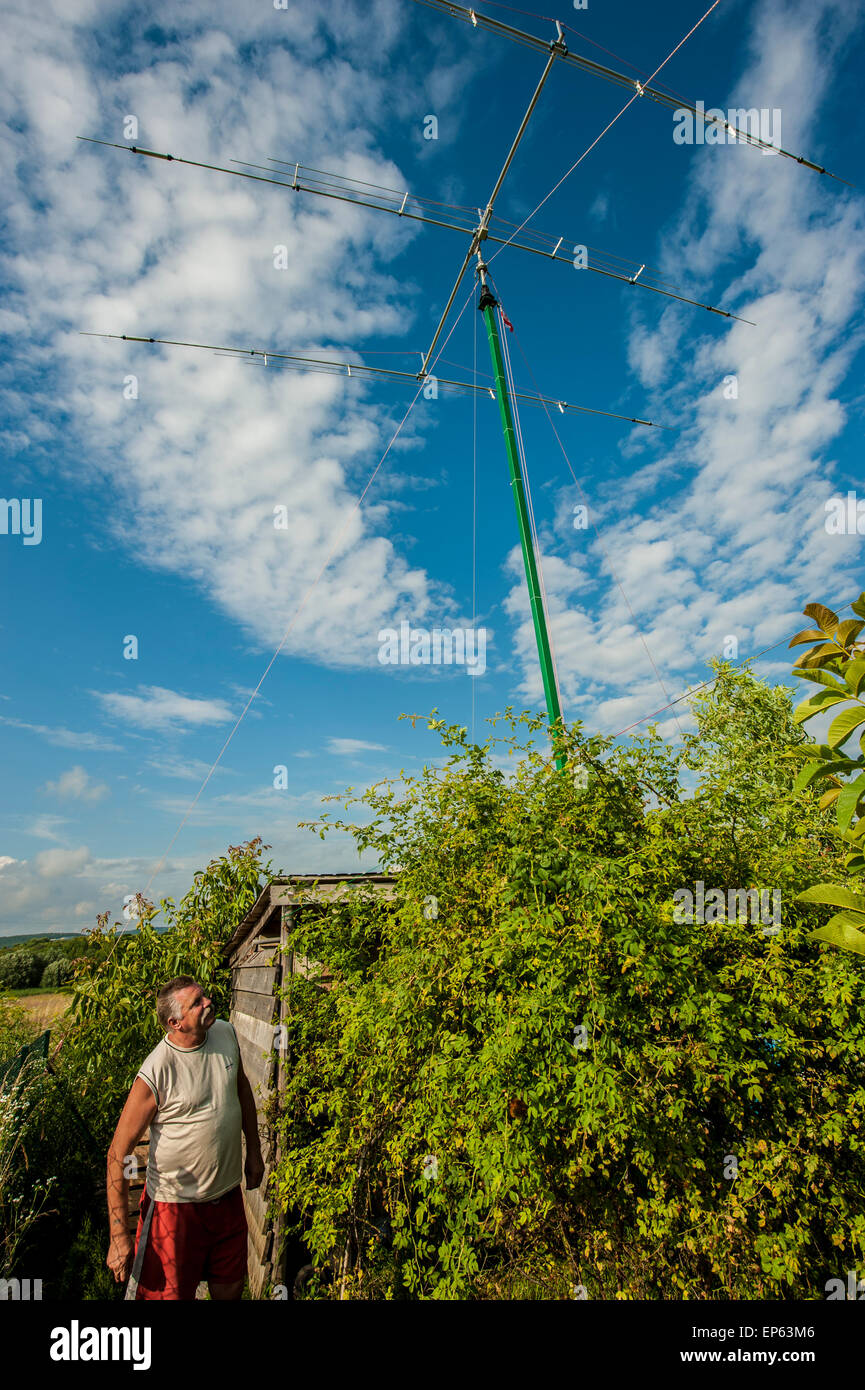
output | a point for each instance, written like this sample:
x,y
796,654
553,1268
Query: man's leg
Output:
x,y
175,1253
225,1269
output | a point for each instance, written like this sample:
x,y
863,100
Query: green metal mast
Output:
x,y
487,305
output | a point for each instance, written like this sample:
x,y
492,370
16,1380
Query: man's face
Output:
x,y
195,1009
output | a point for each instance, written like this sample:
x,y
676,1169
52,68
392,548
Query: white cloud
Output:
x,y
187,770
65,738
348,746
158,708
739,543
52,863
45,827
76,785
196,464
61,888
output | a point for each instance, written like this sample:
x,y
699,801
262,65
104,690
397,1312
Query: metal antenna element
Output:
x,y
620,79
415,208
334,367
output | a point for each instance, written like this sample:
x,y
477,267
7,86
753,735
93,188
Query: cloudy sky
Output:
x,y
160,472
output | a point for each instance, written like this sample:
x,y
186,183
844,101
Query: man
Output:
x,y
193,1093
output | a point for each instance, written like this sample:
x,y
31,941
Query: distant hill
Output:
x,y
34,936
44,937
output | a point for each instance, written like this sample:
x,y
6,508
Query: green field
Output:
x,y
26,993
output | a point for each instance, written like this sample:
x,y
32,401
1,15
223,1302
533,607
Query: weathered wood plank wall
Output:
x,y
261,957
254,1011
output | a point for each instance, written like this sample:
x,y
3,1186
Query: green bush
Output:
x,y
26,1185
84,1274
54,950
57,972
530,1076
16,1028
52,1194
20,970
836,665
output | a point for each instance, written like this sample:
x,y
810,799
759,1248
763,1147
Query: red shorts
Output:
x,y
191,1241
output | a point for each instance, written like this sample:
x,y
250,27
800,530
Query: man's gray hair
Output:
x,y
166,998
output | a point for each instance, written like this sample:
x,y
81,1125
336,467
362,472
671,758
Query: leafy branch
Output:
x,y
835,661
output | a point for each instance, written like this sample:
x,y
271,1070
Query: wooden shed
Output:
x,y
261,957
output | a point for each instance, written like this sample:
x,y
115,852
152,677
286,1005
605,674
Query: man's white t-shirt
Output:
x,y
195,1152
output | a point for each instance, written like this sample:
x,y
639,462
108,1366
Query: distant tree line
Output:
x,y
40,963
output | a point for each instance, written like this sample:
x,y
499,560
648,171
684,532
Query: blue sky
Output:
x,y
157,512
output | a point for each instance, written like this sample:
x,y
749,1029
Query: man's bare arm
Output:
x,y
138,1112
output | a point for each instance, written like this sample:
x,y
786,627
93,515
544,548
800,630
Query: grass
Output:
x,y
36,1010
36,989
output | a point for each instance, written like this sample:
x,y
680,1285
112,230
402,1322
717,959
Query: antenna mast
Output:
x,y
488,305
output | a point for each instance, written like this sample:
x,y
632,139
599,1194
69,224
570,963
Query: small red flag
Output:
x,y
506,321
